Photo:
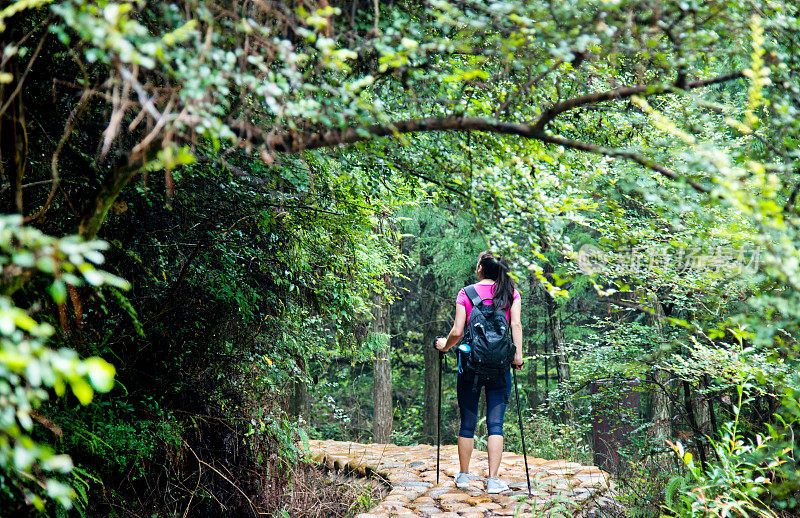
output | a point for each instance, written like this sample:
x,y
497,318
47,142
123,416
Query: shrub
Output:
x,y
29,369
733,486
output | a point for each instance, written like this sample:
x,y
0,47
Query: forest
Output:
x,y
231,230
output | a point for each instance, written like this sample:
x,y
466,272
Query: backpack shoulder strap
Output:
x,y
472,293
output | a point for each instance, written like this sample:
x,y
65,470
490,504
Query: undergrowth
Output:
x,y
318,493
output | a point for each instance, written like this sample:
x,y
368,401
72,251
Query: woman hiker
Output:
x,y
496,287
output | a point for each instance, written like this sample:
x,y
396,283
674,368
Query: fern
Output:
x,y
674,486
125,304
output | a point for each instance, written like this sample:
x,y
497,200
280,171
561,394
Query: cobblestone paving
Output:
x,y
558,487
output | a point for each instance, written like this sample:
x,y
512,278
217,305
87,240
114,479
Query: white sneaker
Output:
x,y
462,480
495,485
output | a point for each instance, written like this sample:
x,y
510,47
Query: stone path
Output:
x,y
559,488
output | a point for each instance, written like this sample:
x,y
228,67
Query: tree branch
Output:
x,y
623,92
292,142
622,153
513,95
69,127
114,181
295,143
789,205
22,78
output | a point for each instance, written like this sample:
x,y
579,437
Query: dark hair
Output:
x,y
496,269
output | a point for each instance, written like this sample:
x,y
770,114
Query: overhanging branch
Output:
x,y
624,92
294,142
331,138
622,153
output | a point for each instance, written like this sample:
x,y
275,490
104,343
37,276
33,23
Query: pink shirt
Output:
x,y
485,291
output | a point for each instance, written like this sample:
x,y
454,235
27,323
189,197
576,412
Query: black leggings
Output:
x,y
497,393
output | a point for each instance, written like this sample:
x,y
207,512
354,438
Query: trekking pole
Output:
x,y
438,412
521,433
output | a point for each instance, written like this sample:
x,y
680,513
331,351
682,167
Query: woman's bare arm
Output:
x,y
516,330
456,333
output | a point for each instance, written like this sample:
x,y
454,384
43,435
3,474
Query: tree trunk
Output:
x,y
699,439
382,387
662,425
557,343
712,418
534,400
615,416
430,401
110,188
702,412
115,180
547,351
533,380
13,144
300,402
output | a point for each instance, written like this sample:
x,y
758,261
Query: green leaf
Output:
x,y
101,373
60,492
82,390
58,290
24,259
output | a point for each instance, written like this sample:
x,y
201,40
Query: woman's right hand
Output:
x,y
441,343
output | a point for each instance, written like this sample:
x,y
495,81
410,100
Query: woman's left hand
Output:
x,y
441,343
517,363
